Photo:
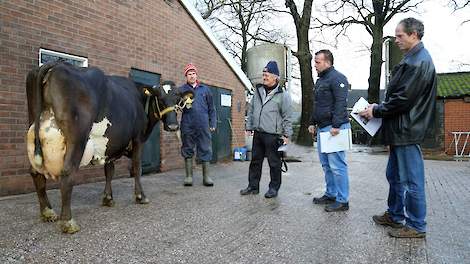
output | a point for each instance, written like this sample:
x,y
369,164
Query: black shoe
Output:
x,y
271,193
249,190
337,207
324,200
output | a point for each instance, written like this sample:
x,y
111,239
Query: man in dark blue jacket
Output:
x,y
407,112
330,115
197,123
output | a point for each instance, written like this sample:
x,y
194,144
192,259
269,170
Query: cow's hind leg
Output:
x,y
66,223
47,214
108,192
136,172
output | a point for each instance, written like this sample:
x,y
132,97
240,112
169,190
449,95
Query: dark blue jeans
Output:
x,y
405,174
335,168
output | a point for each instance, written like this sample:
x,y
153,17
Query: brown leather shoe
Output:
x,y
324,200
406,232
386,220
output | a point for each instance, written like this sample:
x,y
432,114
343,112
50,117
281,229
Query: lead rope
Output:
x,y
147,101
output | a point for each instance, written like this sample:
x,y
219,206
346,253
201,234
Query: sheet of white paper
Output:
x,y
360,105
371,126
340,142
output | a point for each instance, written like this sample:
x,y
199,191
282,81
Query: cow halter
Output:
x,y
164,111
161,113
185,102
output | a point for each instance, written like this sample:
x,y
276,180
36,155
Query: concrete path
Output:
x,y
216,225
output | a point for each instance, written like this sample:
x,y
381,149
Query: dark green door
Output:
x,y
222,137
151,152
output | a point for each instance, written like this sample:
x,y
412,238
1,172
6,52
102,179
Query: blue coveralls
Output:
x,y
195,124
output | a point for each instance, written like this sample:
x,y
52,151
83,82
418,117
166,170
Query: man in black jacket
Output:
x,y
407,112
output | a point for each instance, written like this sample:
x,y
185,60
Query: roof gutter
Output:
x,y
461,96
220,48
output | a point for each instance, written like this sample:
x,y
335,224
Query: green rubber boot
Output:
x,y
206,180
188,165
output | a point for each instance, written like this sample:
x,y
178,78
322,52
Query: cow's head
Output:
x,y
164,101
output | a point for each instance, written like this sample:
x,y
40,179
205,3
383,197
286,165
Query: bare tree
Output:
x,y
304,56
460,4
208,7
240,24
373,15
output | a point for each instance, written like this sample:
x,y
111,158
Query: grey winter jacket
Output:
x,y
274,115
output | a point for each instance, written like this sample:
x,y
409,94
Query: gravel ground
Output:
x,y
216,225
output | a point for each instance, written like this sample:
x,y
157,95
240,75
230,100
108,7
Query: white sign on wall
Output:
x,y
50,55
226,100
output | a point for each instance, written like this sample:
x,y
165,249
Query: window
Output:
x,y
49,55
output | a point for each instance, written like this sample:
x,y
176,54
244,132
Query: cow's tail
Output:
x,y
38,105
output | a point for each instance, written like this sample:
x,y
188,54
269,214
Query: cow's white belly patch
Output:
x,y
54,148
96,146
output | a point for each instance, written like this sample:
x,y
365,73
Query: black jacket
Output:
x,y
410,102
331,95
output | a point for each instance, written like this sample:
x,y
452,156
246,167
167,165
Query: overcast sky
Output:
x,y
446,38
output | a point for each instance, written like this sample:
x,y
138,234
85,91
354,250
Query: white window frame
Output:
x,y
82,60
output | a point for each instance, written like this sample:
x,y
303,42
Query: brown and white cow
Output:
x,y
80,116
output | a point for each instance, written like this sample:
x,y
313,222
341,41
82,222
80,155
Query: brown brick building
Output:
x,y
454,100
148,36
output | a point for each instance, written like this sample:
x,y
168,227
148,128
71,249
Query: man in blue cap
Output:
x,y
269,118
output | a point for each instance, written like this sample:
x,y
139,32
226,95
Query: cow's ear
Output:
x,y
156,90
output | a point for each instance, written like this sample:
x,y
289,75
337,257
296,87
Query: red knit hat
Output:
x,y
189,67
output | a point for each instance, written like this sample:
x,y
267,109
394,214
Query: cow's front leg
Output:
x,y
46,212
136,172
108,192
66,223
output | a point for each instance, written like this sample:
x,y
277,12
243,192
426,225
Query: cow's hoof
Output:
x,y
140,199
107,201
48,215
69,227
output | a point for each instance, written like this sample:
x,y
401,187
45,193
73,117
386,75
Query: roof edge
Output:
x,y
450,73
220,48
461,96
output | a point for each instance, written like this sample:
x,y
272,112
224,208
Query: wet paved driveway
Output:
x,y
216,225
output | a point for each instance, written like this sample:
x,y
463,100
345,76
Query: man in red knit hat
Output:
x,y
197,123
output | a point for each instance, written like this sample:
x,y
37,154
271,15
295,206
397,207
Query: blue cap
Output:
x,y
271,67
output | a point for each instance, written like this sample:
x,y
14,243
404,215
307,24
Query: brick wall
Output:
x,y
155,36
456,118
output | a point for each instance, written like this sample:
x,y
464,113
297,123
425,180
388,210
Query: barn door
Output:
x,y
222,137
151,151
